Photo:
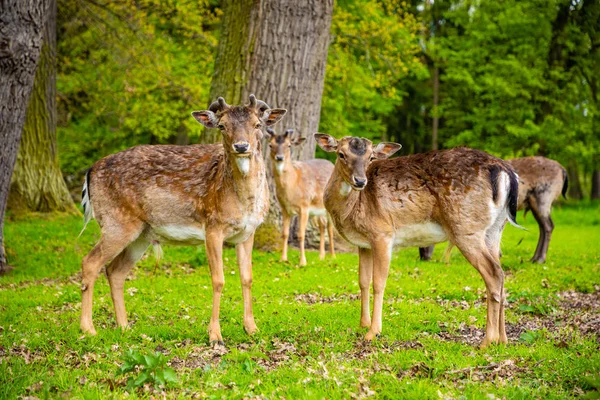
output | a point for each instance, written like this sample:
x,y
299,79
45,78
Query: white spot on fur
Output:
x,y
317,212
345,189
279,166
243,165
420,235
181,233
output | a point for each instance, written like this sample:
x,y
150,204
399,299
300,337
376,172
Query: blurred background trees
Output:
x,y
515,78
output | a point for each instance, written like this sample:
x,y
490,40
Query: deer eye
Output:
x,y
342,156
258,125
221,126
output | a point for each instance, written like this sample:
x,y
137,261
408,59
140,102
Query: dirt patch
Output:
x,y
505,370
315,298
73,279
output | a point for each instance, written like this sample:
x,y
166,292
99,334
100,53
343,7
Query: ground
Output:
x,y
310,343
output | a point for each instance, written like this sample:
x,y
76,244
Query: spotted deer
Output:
x,y
541,182
209,193
300,186
462,195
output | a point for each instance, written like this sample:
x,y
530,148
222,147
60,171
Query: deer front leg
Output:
x,y
382,253
244,257
214,253
322,223
331,243
285,234
365,275
302,232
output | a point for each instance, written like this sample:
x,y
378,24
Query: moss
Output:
x,y
267,237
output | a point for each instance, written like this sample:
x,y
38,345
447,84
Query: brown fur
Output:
x,y
300,186
541,181
420,200
183,195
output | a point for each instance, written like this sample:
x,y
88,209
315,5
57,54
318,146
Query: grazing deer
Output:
x,y
461,195
541,182
187,195
300,186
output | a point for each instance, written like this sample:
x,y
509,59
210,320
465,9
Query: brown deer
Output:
x,y
541,182
187,195
300,186
462,195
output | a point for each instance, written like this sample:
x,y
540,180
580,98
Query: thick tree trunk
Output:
x,y
436,118
575,191
21,28
595,194
37,183
276,49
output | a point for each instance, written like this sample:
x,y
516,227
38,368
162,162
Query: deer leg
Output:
x,y
214,253
105,250
285,234
365,275
302,233
490,270
548,228
542,236
425,253
322,237
382,253
448,253
244,257
117,272
331,242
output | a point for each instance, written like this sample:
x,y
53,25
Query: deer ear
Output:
x,y
270,132
385,150
326,142
206,118
273,115
299,140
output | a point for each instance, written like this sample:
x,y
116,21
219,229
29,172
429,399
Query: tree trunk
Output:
x,y
37,183
575,191
595,194
436,118
276,49
21,28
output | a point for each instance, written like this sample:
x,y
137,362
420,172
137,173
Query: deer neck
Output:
x,y
247,174
284,173
340,198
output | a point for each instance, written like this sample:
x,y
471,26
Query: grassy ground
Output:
x,y
309,344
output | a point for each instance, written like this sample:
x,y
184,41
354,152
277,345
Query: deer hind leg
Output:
x,y
321,221
117,272
425,253
109,246
541,213
214,253
331,242
302,233
477,253
285,234
365,276
244,257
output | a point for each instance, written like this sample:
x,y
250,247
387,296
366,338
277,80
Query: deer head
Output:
x,y
354,155
280,145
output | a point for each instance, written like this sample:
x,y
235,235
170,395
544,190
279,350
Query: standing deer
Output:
x,y
541,182
300,186
461,195
187,195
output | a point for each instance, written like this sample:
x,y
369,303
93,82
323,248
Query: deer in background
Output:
x,y
212,193
462,195
541,182
300,186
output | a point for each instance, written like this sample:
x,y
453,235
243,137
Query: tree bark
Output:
x,y
595,194
575,191
436,118
276,49
21,29
37,183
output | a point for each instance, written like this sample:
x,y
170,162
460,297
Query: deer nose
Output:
x,y
360,182
278,158
241,147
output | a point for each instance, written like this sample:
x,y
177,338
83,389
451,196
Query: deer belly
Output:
x,y
420,235
317,212
242,231
184,234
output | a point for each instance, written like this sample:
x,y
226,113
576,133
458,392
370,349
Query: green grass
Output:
x,y
308,346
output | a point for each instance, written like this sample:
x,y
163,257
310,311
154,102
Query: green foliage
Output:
x,y
149,368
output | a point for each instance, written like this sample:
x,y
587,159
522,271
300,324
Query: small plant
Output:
x,y
150,368
530,337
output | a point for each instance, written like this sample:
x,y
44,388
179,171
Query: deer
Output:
x,y
299,189
541,182
462,195
187,195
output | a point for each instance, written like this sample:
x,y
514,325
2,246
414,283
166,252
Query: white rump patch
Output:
x,y
181,233
497,210
345,189
420,235
243,165
317,212
279,166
